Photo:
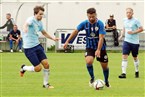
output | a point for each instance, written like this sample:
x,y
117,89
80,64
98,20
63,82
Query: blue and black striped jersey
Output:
x,y
92,33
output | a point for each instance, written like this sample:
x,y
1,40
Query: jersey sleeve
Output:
x,y
106,22
19,33
81,26
138,23
101,28
29,21
115,22
11,32
13,22
41,27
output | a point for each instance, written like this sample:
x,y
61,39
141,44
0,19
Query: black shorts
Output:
x,y
103,57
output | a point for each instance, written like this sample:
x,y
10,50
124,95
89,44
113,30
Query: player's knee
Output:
x,y
89,62
104,65
46,66
38,68
124,57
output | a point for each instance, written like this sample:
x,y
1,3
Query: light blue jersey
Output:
x,y
31,38
131,25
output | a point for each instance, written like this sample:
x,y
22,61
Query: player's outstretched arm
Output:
x,y
25,27
73,34
48,36
122,33
2,27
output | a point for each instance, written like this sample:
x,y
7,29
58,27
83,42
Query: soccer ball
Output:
x,y
98,84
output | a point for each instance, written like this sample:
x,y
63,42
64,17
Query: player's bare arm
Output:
x,y
107,26
48,36
140,29
113,27
73,34
19,37
12,37
100,43
25,28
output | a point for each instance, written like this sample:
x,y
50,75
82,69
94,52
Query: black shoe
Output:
x,y
123,75
136,74
107,84
22,71
48,86
91,82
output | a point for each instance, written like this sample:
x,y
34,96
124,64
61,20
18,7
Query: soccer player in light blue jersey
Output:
x,y
95,44
32,47
132,28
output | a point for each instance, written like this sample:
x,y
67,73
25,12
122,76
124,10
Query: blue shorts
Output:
x,y
35,54
129,47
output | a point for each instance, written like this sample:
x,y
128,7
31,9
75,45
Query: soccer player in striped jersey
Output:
x,y
95,44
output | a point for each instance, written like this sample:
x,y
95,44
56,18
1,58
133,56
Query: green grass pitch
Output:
x,y
69,76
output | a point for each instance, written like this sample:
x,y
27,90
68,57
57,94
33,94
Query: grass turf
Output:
x,y
69,76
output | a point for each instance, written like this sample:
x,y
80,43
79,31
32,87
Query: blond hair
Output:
x,y
129,9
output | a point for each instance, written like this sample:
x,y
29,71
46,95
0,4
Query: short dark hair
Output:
x,y
91,11
37,9
8,14
111,15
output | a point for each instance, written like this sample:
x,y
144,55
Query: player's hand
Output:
x,y
65,45
56,39
114,27
97,53
130,32
17,41
120,37
25,30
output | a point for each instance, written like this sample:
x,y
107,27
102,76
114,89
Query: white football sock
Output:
x,y
45,76
124,65
136,65
29,68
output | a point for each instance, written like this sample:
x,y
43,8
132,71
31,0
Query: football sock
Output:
x,y
124,65
91,71
136,65
45,76
29,68
106,74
